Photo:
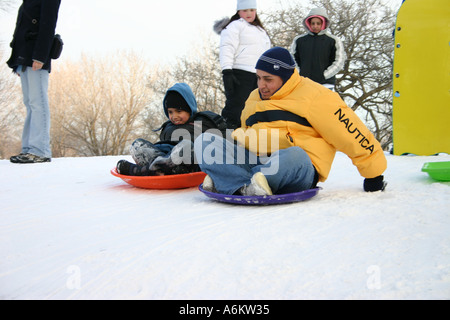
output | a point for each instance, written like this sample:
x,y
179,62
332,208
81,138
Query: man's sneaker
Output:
x,y
257,187
29,158
208,184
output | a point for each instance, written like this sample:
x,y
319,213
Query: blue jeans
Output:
x,y
36,130
231,166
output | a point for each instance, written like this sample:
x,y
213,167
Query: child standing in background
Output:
x,y
242,41
319,54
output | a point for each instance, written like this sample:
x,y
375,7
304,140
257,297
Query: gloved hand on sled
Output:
x,y
374,184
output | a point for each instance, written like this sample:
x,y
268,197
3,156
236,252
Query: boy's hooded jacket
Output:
x,y
198,123
33,36
319,122
319,56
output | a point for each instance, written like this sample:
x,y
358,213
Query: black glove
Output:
x,y
374,184
229,80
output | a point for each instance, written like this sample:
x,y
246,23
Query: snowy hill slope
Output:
x,y
71,230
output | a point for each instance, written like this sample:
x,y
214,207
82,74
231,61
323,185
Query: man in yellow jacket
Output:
x,y
291,128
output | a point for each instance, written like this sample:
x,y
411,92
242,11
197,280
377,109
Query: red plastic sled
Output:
x,y
177,181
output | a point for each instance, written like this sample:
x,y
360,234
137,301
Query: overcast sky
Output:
x,y
160,30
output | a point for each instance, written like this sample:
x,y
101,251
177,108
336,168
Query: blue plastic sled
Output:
x,y
262,200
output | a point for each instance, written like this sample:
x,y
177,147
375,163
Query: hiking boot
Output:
x,y
29,158
257,187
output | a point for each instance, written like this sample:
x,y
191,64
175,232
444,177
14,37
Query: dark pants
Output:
x,y
236,93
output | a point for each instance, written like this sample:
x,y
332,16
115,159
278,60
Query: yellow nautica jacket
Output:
x,y
303,113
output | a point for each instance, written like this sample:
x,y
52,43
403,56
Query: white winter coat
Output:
x,y
241,45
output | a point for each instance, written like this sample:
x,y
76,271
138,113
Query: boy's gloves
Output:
x,y
374,184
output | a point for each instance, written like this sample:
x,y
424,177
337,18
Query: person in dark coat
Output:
x,y
173,153
319,54
30,59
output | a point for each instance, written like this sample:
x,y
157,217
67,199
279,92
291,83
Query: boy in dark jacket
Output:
x,y
173,154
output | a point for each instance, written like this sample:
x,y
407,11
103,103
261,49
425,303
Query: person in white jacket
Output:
x,y
243,40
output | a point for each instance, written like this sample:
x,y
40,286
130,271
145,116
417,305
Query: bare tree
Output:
x,y
12,111
98,104
365,26
201,71
365,83
5,7
203,74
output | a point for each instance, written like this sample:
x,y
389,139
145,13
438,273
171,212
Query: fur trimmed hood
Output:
x,y
219,25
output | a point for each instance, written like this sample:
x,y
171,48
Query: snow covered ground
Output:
x,y
71,230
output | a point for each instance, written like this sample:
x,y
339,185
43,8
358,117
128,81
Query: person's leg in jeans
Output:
x,y
231,167
294,171
36,131
228,165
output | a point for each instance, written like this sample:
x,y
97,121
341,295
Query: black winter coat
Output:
x,y
172,134
34,33
314,54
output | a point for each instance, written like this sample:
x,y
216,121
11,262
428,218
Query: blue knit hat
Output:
x,y
277,61
246,4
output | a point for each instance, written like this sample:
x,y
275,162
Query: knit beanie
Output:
x,y
175,100
246,4
277,61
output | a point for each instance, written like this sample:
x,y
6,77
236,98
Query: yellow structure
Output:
x,y
421,108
